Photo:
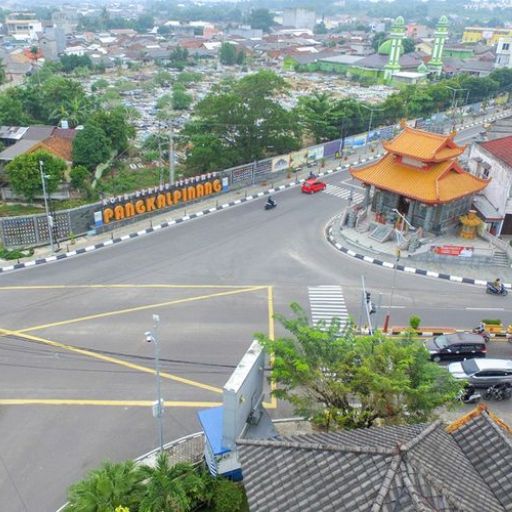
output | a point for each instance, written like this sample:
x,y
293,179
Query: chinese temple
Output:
x,y
420,178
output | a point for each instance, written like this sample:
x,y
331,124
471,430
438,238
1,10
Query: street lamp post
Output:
x,y
455,90
49,218
152,337
372,110
390,305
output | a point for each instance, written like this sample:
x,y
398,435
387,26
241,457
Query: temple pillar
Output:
x,y
410,211
429,216
366,200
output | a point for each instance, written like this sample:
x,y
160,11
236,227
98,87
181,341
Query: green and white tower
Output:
x,y
397,34
440,36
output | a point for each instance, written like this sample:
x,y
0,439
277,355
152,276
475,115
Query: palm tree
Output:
x,y
169,488
112,485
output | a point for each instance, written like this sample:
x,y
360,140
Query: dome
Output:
x,y
443,20
422,68
385,48
399,21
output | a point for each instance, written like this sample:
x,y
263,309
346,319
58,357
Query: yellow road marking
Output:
x,y
113,360
111,403
271,334
139,308
164,286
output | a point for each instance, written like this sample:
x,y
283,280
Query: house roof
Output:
x,y
20,147
423,145
436,183
38,132
58,146
500,148
465,467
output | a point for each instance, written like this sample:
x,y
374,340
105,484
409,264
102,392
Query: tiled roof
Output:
x,y
423,145
438,183
383,469
500,148
58,146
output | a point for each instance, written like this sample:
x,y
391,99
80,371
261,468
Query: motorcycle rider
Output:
x,y
270,201
498,285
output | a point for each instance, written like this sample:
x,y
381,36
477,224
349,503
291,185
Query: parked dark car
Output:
x,y
483,373
456,346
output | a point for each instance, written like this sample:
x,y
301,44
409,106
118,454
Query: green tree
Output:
x,y
170,488
144,23
80,177
91,147
378,39
352,381
408,45
262,19
503,76
3,75
227,54
180,99
112,485
71,62
115,126
178,58
240,121
188,77
25,176
316,113
12,111
320,28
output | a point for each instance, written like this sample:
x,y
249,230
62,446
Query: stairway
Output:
x,y
500,259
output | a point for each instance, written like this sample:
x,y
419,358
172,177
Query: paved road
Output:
x,y
76,382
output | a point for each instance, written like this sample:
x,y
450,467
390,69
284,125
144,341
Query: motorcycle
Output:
x,y
469,396
499,392
479,329
493,290
270,204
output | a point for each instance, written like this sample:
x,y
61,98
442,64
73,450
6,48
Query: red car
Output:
x,y
313,185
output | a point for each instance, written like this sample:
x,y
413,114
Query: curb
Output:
x,y
173,222
402,268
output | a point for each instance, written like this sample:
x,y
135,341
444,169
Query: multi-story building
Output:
x,y
490,35
23,25
299,18
504,53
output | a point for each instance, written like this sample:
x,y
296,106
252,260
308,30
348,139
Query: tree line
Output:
x,y
242,121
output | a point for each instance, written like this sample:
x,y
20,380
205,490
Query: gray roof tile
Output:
x,y
417,468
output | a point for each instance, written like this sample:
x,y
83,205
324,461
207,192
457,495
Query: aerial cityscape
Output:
x,y
256,256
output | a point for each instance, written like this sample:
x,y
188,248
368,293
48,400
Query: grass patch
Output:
x,y
127,180
14,210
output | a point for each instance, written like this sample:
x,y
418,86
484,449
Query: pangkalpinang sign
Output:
x,y
157,198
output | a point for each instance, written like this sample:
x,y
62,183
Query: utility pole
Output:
x,y
49,218
390,305
171,154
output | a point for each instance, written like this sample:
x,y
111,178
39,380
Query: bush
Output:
x,y
15,254
228,496
414,321
494,321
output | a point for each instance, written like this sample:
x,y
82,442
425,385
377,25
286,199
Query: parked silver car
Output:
x,y
483,373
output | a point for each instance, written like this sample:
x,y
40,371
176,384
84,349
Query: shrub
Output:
x,y
494,321
228,496
414,321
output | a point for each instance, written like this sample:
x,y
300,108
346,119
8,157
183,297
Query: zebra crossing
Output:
x,y
343,193
327,302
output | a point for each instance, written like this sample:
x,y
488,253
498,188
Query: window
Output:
x,y
490,373
505,46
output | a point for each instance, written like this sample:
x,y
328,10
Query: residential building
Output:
x,y
493,160
504,53
464,466
489,35
52,42
299,18
23,25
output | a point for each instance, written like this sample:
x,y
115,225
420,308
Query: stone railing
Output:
x,y
497,243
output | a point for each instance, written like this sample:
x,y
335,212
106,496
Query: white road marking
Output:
x,y
327,302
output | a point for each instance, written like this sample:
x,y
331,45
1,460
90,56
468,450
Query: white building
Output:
x,y
299,18
504,53
23,26
493,159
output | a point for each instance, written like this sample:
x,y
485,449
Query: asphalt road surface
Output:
x,y
76,379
